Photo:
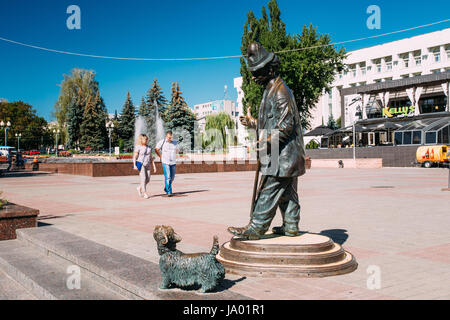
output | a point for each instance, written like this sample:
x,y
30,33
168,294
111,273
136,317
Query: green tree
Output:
x,y
155,94
332,123
148,109
126,122
115,134
308,66
219,122
93,128
180,118
142,108
74,120
25,121
75,91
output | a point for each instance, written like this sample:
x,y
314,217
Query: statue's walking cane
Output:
x,y
255,186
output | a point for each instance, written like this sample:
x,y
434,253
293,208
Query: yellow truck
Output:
x,y
428,156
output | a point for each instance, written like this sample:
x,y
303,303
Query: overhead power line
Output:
x,y
212,58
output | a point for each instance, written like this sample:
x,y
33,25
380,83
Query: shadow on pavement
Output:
x,y
21,174
337,235
228,284
178,194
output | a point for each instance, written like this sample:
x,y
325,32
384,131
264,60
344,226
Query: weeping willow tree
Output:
x,y
219,122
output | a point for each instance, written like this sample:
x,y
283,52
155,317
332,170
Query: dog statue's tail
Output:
x,y
215,248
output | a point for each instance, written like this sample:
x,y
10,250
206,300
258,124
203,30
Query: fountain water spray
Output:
x,y
159,125
140,127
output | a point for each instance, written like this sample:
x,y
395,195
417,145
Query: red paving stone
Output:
x,y
411,218
440,253
194,232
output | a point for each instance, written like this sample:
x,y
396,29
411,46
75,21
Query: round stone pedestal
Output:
x,y
308,255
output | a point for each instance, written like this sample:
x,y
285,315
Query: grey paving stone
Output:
x,y
46,277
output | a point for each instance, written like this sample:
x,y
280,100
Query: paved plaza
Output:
x,y
395,221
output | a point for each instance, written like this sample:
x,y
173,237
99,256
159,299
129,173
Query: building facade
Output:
x,y
403,59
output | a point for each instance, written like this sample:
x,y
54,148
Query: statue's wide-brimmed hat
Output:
x,y
258,57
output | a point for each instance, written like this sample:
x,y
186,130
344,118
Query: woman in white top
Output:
x,y
143,154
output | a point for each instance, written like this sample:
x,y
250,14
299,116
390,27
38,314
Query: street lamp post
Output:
x,y
7,125
18,136
56,141
110,127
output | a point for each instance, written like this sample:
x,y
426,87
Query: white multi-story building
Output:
x,y
386,87
402,59
217,106
213,107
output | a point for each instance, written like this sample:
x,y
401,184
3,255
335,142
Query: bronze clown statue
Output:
x,y
281,152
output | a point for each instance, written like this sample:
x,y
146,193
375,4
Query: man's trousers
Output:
x,y
276,192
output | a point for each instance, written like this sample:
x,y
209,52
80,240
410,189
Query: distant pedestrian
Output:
x,y
142,160
167,149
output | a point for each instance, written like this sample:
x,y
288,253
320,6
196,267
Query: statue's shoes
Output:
x,y
238,232
245,232
282,232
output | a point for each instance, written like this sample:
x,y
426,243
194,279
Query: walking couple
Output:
x,y
166,149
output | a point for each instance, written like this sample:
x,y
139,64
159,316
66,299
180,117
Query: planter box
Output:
x,y
13,217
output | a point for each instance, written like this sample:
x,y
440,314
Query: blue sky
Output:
x,y
168,29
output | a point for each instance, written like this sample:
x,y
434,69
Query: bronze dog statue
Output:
x,y
185,270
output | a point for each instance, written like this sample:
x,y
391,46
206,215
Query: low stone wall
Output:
x,y
108,169
394,156
13,217
348,163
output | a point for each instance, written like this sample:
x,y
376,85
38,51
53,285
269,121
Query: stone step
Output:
x,y
310,244
346,265
126,274
46,277
307,255
11,290
334,254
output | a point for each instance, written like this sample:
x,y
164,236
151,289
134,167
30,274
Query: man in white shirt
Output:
x,y
167,149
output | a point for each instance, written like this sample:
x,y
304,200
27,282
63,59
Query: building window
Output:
x,y
389,66
406,63
369,68
418,61
433,104
398,138
430,137
417,137
379,68
437,57
363,71
407,137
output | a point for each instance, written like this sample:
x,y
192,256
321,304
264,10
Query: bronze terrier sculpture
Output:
x,y
185,270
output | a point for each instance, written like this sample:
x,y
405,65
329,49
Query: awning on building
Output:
x,y
319,131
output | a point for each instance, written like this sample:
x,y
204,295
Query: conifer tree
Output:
x,y
93,127
155,94
180,118
126,123
74,120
